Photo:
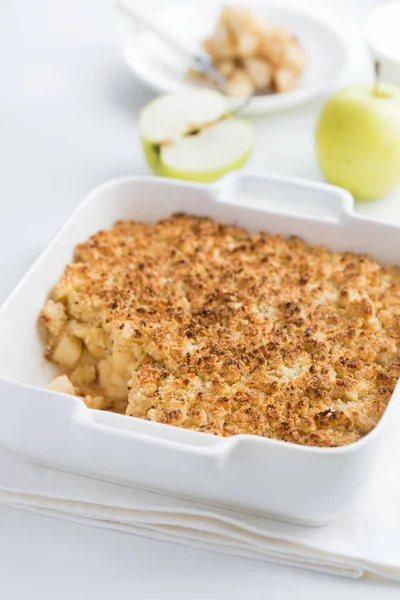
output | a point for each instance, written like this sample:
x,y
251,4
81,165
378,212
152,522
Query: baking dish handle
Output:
x,y
58,416
92,425
285,195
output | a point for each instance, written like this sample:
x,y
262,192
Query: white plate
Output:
x,y
164,71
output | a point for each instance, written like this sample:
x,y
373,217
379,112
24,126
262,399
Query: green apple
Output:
x,y
358,140
191,136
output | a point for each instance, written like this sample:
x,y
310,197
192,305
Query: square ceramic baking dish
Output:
x,y
273,478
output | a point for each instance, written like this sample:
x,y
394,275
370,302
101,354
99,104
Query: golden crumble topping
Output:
x,y
208,327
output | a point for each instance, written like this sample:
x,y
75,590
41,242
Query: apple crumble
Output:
x,y
253,56
208,327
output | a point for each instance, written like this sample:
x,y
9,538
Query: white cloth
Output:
x,y
362,543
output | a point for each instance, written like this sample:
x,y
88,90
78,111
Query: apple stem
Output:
x,y
377,69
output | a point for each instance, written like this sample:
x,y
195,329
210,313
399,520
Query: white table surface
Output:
x,y
68,113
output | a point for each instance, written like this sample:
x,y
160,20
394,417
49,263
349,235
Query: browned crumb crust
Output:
x,y
232,333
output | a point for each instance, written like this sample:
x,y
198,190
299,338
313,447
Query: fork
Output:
x,y
199,61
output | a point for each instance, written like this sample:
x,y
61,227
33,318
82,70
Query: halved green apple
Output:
x,y
191,136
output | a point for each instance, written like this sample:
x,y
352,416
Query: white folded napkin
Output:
x,y
365,542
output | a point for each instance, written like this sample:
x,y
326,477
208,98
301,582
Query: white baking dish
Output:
x,y
268,477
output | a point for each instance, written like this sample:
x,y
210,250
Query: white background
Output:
x,y
68,111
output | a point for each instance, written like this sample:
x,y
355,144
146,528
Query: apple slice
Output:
x,y
191,136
